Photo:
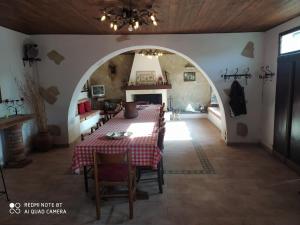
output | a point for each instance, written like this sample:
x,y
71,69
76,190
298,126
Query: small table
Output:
x,y
12,127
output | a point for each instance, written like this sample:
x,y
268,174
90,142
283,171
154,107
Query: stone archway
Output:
x,y
96,65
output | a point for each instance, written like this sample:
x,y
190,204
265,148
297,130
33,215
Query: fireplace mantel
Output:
x,y
148,87
6,122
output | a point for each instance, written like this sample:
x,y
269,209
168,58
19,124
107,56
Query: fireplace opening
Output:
x,y
149,98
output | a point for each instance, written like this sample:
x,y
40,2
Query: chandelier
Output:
x,y
133,18
150,53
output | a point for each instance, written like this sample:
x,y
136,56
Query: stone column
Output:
x,y
15,147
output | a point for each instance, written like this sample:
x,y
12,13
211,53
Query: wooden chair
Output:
x,y
112,170
146,169
161,110
160,144
87,133
99,124
111,113
161,122
162,114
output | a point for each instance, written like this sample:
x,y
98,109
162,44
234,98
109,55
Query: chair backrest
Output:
x,y
161,136
111,160
118,108
161,122
162,114
85,134
119,158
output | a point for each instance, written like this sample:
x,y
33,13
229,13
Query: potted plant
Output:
x,y
43,141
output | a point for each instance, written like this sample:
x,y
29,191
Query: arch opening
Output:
x,y
72,107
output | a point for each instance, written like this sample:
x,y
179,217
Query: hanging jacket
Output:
x,y
237,99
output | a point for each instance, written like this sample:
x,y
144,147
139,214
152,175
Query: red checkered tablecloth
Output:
x,y
142,143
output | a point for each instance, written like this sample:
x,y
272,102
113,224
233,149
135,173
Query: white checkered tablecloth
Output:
x,y
142,143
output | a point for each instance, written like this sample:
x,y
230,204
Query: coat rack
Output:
x,y
237,75
266,73
14,104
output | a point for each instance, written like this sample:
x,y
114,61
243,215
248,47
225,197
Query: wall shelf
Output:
x,y
148,87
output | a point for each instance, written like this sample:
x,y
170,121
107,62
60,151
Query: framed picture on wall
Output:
x,y
145,77
189,76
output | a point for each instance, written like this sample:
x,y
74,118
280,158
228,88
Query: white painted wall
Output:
x,y
211,54
271,44
11,67
86,125
216,120
143,63
83,95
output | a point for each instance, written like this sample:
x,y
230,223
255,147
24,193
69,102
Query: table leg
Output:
x,y
163,171
159,177
86,182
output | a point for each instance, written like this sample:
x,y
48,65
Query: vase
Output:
x,y
130,110
43,141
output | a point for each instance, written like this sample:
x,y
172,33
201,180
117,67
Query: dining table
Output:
x,y
142,142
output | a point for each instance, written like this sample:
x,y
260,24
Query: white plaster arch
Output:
x,y
96,65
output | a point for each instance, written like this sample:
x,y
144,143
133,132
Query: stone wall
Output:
x,y
189,94
185,94
113,83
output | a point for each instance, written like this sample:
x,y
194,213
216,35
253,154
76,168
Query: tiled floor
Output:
x,y
248,186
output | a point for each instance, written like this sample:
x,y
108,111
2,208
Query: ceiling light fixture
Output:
x,y
127,16
150,53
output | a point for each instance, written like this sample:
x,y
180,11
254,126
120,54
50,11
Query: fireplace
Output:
x,y
144,95
151,98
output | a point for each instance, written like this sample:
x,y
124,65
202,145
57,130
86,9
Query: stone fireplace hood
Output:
x,y
144,65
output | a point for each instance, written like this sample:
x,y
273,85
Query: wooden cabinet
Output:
x,y
287,108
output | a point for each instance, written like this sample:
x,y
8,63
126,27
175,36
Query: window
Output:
x,y
290,41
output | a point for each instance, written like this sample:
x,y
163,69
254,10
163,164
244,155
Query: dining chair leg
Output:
x,y
130,204
98,209
130,196
138,174
159,177
162,171
86,182
3,181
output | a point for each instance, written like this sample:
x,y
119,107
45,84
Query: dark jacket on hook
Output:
x,y
237,99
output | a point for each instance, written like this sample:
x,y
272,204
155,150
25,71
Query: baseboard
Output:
x,y
290,164
266,147
193,116
61,145
241,144
293,166
279,156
